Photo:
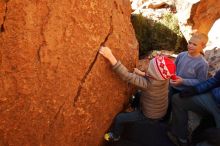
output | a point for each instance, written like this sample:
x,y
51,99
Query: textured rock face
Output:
x,y
54,87
197,14
213,57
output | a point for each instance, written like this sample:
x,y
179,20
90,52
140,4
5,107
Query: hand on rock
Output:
x,y
138,72
107,53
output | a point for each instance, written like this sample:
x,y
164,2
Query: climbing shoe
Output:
x,y
110,137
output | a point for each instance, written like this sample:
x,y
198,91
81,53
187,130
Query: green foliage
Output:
x,y
158,35
142,30
171,22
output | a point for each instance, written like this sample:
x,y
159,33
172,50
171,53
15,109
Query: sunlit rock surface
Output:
x,y
197,14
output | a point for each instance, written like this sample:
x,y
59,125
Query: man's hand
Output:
x,y
107,53
177,82
188,92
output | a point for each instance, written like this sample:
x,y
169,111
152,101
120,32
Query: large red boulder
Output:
x,y
55,90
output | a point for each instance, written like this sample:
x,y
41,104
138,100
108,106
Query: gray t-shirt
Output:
x,y
193,70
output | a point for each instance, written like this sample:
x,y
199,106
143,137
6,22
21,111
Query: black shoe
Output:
x,y
176,140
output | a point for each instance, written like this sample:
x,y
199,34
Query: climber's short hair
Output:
x,y
201,36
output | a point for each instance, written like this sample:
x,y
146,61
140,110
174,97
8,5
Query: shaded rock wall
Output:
x,y
197,14
213,57
54,87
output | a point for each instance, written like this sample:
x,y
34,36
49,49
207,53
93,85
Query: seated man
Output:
x,y
203,99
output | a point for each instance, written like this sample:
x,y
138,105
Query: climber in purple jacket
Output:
x,y
203,99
